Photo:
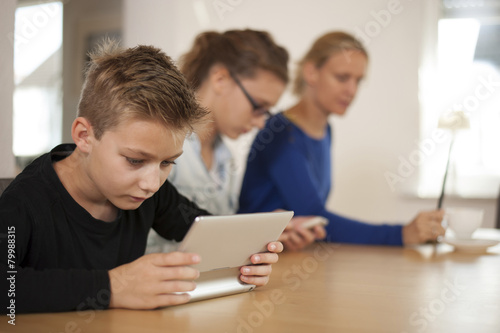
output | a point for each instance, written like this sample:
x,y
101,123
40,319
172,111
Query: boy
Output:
x,y
80,215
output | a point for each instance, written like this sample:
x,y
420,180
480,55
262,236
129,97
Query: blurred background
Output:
x,y
428,59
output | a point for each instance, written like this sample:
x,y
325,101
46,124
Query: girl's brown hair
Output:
x,y
242,52
322,49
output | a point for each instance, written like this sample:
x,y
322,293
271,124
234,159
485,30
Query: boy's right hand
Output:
x,y
153,280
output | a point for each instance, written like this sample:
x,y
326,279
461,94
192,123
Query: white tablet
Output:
x,y
225,243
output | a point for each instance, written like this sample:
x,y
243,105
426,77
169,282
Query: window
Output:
x,y
464,75
38,79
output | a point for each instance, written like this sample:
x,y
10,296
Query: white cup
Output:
x,y
464,221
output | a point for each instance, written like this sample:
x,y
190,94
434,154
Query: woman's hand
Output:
x,y
295,237
426,226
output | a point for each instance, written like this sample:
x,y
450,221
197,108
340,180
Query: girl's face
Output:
x,y
234,114
334,85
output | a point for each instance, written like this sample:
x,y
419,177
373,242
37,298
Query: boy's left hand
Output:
x,y
258,273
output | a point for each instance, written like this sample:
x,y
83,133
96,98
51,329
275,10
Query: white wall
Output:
x,y
7,10
81,17
382,124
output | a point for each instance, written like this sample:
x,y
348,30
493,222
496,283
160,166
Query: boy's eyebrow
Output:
x,y
147,155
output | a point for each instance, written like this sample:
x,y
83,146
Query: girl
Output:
x,y
237,75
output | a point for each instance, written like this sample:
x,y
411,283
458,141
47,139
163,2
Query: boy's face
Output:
x,y
131,161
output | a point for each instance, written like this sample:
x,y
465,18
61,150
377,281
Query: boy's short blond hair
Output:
x,y
136,83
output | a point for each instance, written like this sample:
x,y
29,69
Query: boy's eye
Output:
x,y
134,161
137,162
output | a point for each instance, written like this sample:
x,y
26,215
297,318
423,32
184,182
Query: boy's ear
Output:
x,y
310,73
82,134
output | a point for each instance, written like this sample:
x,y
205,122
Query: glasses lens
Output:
x,y
258,110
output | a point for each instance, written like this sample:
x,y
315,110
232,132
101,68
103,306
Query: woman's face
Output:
x,y
234,114
334,85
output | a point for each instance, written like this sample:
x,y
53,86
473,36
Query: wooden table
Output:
x,y
328,288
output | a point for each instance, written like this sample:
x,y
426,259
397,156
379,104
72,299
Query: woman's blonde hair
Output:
x,y
323,48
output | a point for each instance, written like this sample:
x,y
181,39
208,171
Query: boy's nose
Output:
x,y
151,180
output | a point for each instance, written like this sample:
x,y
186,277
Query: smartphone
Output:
x,y
314,221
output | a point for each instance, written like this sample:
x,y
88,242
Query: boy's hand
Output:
x,y
153,280
258,274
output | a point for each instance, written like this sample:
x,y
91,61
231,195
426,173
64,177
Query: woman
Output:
x,y
289,163
237,75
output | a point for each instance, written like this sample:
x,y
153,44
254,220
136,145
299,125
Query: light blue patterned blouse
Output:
x,y
214,190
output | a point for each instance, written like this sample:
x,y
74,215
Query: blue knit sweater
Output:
x,y
287,169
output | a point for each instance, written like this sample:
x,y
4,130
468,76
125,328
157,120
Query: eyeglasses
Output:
x,y
258,109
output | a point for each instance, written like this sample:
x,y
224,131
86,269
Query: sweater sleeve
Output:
x,y
293,178
28,289
54,290
174,213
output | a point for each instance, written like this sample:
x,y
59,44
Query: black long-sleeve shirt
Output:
x,y
63,254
